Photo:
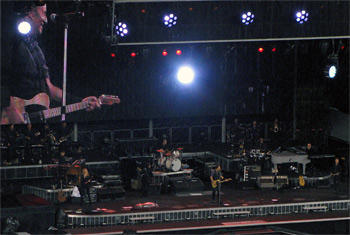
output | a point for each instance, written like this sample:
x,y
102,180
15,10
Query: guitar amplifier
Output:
x,y
195,184
110,193
179,185
266,182
269,182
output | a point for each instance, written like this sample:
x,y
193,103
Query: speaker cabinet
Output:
x,y
179,185
195,185
110,193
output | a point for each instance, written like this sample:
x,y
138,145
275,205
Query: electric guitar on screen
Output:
x,y
37,109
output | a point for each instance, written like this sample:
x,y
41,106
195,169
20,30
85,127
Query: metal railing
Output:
x,y
201,214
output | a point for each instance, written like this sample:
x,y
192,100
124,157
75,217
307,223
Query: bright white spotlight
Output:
x,y
247,18
122,29
331,68
185,75
332,71
170,20
24,27
301,16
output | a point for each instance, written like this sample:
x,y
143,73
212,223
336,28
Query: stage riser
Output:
x,y
43,171
75,221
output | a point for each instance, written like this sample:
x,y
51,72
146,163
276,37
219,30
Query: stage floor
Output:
x,y
230,197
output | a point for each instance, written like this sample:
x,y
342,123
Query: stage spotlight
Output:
x,y
24,27
122,29
178,52
247,18
301,16
331,68
133,54
112,54
170,20
185,75
164,53
261,49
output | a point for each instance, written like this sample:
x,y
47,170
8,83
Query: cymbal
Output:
x,y
160,150
180,148
168,154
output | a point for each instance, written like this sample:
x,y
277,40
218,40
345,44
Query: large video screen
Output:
x,y
145,81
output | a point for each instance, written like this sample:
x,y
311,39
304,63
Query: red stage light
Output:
x,y
143,11
342,47
261,49
112,55
273,49
164,53
133,54
178,52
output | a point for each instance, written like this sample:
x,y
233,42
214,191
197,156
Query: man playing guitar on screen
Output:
x,y
30,80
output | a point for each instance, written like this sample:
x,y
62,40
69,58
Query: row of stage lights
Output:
x,y
179,52
186,74
247,18
164,53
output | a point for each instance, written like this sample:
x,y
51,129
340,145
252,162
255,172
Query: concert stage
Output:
x,y
239,208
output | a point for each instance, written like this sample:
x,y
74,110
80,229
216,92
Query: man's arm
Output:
x,y
56,94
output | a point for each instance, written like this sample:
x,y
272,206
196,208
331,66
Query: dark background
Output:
x,y
231,77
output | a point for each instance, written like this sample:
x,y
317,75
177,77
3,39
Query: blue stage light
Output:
x,y
170,20
247,18
122,29
301,16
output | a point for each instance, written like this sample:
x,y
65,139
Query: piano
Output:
x,y
290,157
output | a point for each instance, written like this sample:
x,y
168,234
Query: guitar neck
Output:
x,y
54,112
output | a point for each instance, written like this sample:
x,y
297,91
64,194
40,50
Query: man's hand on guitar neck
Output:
x,y
56,94
93,103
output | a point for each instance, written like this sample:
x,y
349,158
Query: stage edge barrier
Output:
x,y
203,214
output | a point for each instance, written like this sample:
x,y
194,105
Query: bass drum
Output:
x,y
176,164
168,163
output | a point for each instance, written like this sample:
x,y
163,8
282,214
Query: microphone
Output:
x,y
65,16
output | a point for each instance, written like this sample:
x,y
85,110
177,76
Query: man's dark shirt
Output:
x,y
261,146
336,169
63,132
216,174
11,137
32,139
29,69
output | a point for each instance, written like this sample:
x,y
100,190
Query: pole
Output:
x,y
64,88
295,90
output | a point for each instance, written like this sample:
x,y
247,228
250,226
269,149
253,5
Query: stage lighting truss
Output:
x,y
301,16
170,20
331,68
24,27
247,18
122,29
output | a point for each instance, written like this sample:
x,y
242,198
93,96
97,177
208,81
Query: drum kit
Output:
x,y
169,160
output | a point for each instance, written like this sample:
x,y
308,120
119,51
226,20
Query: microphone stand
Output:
x,y
64,87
